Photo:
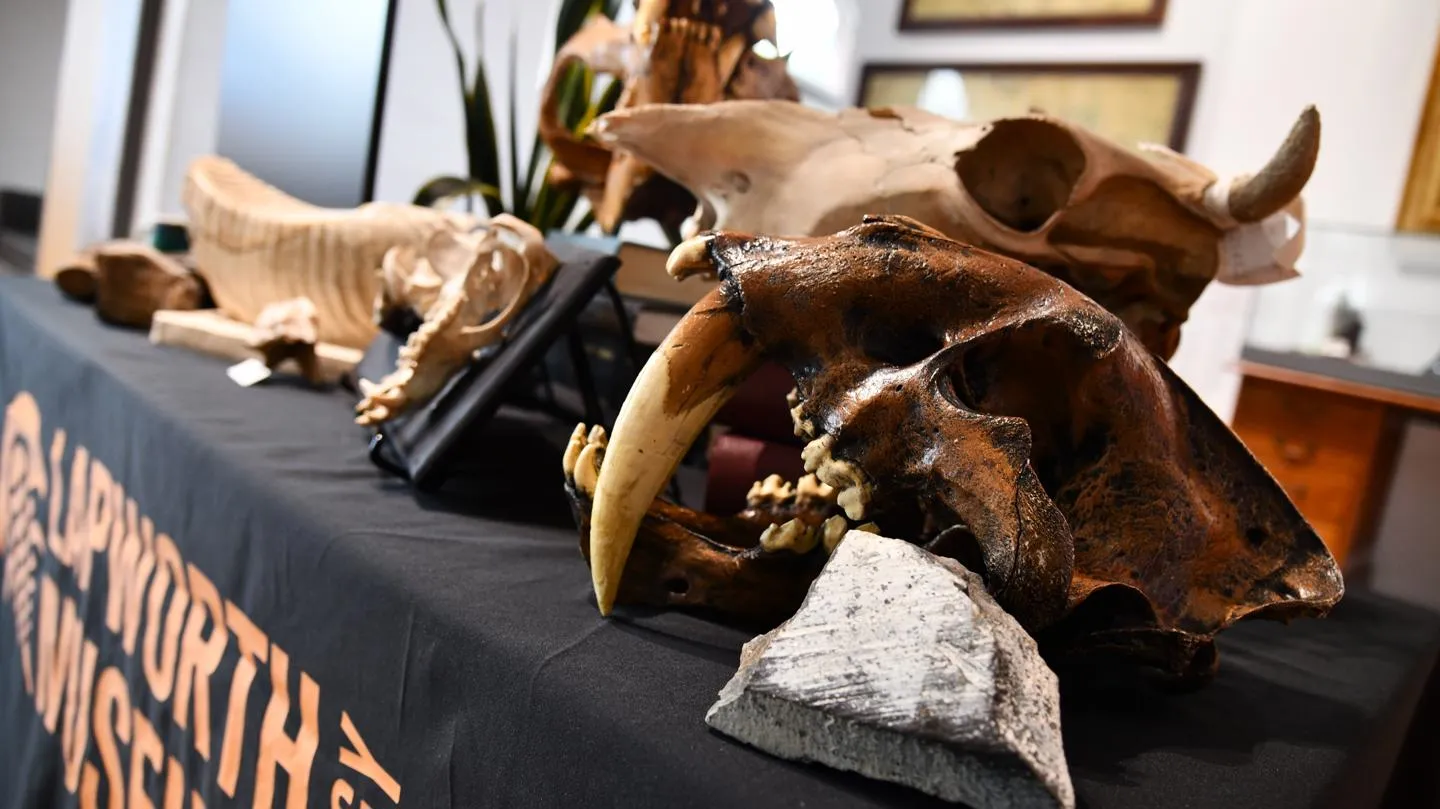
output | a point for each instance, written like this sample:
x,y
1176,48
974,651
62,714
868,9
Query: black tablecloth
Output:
x,y
454,637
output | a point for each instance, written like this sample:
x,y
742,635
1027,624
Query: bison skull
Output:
x,y
1141,234
966,402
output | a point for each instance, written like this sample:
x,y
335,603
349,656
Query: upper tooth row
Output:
x,y
804,427
845,477
771,488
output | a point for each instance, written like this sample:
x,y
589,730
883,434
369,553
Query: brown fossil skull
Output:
x,y
675,51
1141,233
969,403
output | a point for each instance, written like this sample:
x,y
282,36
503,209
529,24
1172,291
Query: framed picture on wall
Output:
x,y
1128,102
933,14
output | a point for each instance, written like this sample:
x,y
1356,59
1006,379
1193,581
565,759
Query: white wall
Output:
x,y
184,116
422,134
31,32
1364,65
91,98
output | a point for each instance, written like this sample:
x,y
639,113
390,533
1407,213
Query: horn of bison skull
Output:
x,y
1142,233
963,401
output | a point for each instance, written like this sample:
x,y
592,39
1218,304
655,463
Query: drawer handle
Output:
x,y
1295,451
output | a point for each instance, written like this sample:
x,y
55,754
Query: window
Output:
x,y
816,34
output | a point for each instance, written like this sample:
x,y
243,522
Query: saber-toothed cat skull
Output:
x,y
963,401
1141,233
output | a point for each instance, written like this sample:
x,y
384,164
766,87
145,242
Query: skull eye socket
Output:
x,y
898,346
1022,172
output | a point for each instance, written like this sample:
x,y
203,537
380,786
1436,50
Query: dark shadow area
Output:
x,y
701,639
509,469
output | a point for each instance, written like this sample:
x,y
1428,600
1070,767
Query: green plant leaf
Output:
x,y
443,188
484,149
454,46
605,103
519,194
574,13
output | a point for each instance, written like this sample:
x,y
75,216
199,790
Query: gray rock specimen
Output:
x,y
901,667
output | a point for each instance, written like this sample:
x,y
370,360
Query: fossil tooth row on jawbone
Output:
x,y
255,245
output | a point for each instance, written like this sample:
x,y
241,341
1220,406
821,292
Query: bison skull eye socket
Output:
x,y
897,345
1022,172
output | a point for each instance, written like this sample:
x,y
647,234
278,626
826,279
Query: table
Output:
x,y
444,650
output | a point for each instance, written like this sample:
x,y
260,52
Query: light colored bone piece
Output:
x,y
287,330
255,245
901,667
209,332
488,279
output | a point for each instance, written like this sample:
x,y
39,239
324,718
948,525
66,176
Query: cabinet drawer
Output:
x,y
1320,446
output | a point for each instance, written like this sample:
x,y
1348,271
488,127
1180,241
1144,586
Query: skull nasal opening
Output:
x,y
1022,172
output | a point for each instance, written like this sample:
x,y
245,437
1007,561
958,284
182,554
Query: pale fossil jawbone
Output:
x,y
256,245
484,281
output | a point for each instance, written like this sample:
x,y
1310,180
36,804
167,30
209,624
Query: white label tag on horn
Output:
x,y
1263,252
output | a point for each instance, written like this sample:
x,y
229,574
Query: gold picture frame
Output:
x,y
1131,103
921,15
1420,206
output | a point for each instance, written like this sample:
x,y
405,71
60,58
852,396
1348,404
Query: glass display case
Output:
x,y
1366,308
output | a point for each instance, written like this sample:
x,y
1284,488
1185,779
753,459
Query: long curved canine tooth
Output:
x,y
255,245
685,382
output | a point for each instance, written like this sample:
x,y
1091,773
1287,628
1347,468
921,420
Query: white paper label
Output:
x,y
1263,252
247,373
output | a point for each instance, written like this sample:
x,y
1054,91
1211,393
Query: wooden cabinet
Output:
x,y
1324,448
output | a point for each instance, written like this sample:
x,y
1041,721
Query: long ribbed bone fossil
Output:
x,y
256,245
966,402
466,288
675,51
1141,233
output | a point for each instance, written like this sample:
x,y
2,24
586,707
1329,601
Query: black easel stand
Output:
x,y
416,445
